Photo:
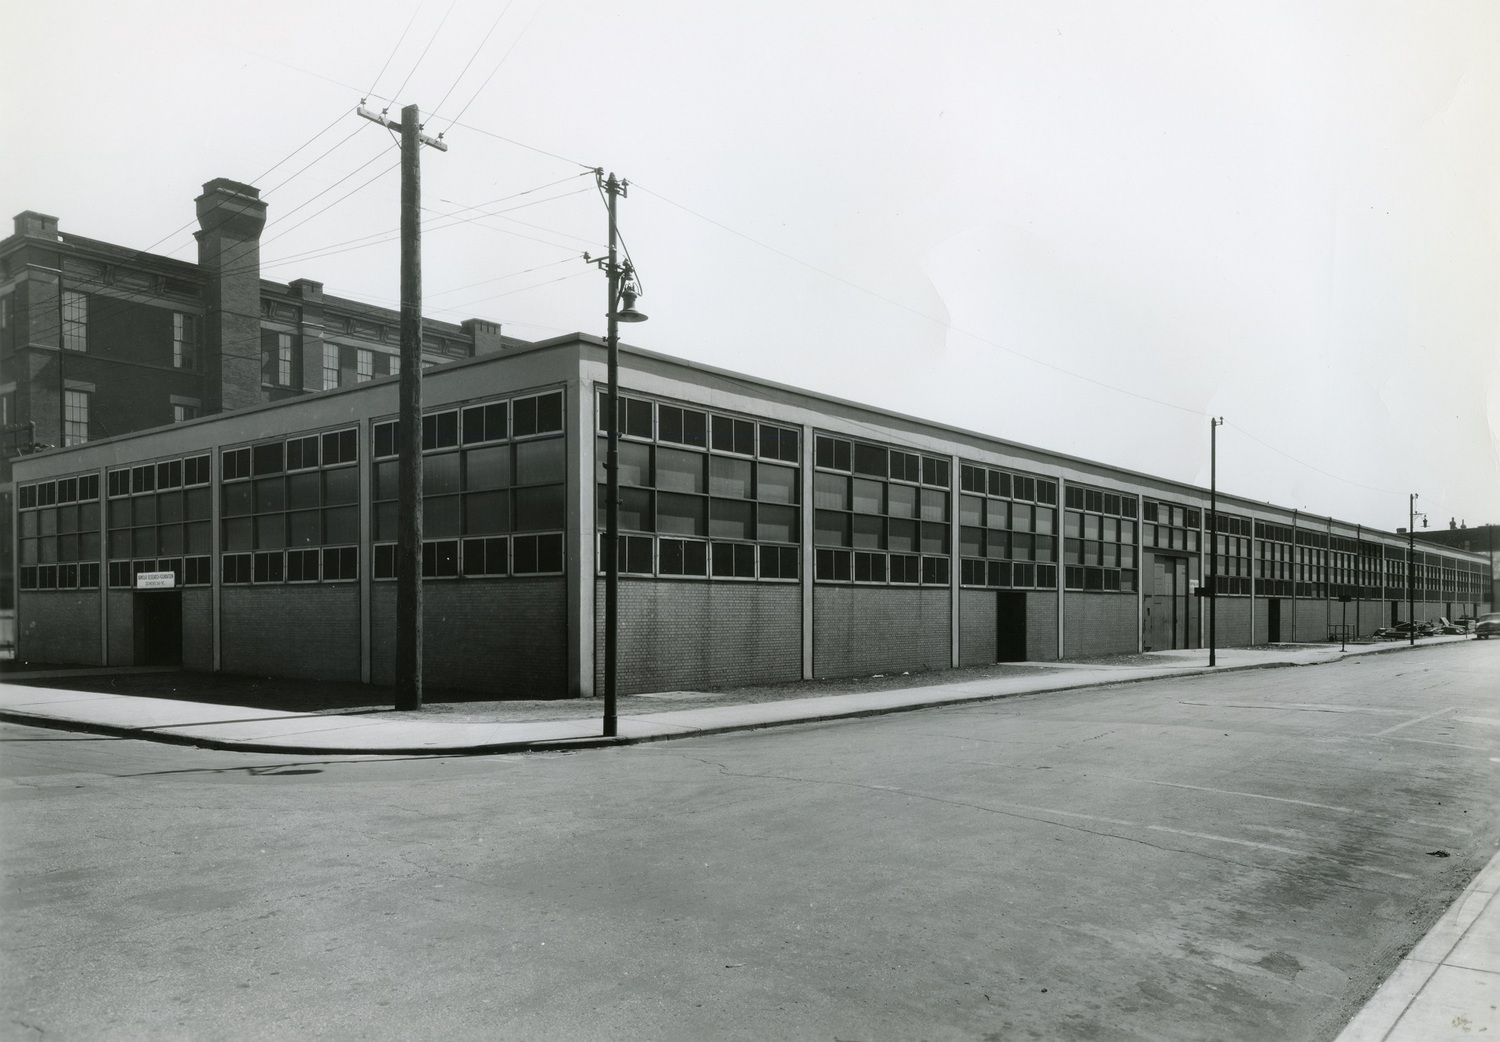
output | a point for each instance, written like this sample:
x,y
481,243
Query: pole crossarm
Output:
x,y
395,124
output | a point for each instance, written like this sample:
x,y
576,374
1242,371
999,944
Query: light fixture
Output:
x,y
629,290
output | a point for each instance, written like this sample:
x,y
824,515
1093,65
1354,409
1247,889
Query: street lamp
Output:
x,y
623,291
1411,563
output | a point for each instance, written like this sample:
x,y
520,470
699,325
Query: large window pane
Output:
x,y
486,513
200,537
340,486
902,534
869,532
302,490
729,477
679,471
541,462
869,496
540,508
901,500
440,474
270,494
681,515
778,524
934,505
934,538
340,525
830,492
777,484
168,508
440,517
731,519
830,528
304,528
488,467
635,462
270,532
238,535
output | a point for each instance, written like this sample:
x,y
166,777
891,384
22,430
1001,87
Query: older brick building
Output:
x,y
98,340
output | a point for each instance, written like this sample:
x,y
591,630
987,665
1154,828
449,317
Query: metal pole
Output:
x,y
408,671
612,482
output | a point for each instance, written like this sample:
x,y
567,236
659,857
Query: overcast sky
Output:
x,y
1083,226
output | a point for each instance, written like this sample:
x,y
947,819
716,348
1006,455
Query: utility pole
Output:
x,y
621,285
408,671
1411,563
1213,526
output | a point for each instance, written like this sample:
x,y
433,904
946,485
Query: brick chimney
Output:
x,y
485,336
230,218
36,225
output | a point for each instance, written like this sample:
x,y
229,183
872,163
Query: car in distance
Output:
x,y
1488,625
1402,631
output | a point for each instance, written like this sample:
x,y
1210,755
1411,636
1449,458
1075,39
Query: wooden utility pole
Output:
x,y
1213,546
408,671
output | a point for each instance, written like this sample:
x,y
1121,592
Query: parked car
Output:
x,y
1402,631
1488,625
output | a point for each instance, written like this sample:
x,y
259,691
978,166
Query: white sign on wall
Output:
x,y
156,581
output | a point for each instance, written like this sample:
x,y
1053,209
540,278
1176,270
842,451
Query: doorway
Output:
x,y
1395,612
158,628
1167,619
1010,626
1273,620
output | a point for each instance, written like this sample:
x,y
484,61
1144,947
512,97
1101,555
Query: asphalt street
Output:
x,y
1241,856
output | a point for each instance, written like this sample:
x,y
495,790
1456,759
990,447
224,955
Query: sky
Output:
x,y
1088,227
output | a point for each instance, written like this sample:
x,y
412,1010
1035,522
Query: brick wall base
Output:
x,y
976,627
508,637
677,636
880,629
1098,623
1041,627
58,627
308,632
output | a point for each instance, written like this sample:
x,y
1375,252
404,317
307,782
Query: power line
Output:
x,y
400,40
330,188
493,26
421,57
454,122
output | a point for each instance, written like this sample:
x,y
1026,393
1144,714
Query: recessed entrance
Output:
x,y
1169,615
158,628
1010,626
1273,620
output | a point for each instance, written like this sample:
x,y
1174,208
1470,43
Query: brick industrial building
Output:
x,y
97,340
768,534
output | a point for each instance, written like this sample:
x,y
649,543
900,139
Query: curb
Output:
x,y
600,741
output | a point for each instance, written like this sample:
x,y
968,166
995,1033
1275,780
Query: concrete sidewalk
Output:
x,y
380,733
1447,987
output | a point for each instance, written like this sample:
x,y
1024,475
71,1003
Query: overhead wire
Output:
x,y
399,41
423,56
99,281
475,96
456,80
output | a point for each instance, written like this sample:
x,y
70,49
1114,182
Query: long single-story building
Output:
x,y
767,534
